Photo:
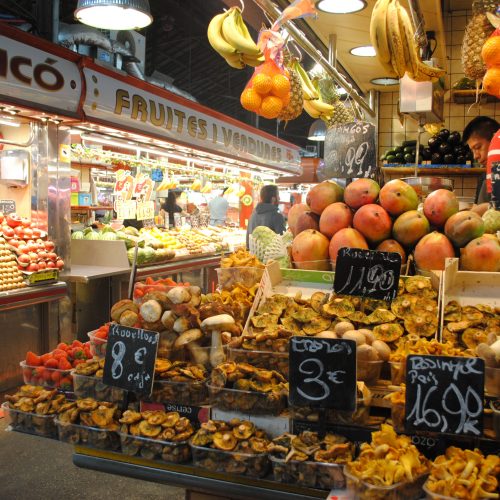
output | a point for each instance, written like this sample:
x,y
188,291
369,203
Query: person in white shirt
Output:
x,y
218,209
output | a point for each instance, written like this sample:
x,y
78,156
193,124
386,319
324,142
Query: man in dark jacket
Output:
x,y
266,212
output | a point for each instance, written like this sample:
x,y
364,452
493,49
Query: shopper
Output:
x,y
266,212
170,207
218,209
477,135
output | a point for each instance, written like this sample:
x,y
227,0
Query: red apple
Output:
x,y
13,220
28,233
51,265
52,256
25,222
42,254
50,246
7,231
33,256
37,232
32,268
14,242
19,231
33,247
1,217
60,264
23,248
23,260
42,265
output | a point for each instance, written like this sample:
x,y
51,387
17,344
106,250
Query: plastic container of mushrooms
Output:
x,y
229,277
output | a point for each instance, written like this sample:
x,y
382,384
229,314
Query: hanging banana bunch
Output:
x,y
229,36
393,37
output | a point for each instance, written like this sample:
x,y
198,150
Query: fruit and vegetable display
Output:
x,y
53,369
463,474
157,245
309,461
393,36
240,268
234,447
243,387
32,249
10,275
443,148
386,219
156,435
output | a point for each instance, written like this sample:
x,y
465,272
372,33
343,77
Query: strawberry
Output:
x,y
87,352
64,364
77,353
45,357
76,343
51,363
101,334
32,359
47,376
66,383
56,377
77,362
59,353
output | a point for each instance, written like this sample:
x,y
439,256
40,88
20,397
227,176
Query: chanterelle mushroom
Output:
x,y
216,325
189,340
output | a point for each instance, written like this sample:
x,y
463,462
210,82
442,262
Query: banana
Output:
x,y
215,37
428,73
310,109
407,29
309,92
235,61
395,41
378,35
235,36
252,60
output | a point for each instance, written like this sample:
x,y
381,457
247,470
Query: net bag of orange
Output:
x,y
491,57
268,91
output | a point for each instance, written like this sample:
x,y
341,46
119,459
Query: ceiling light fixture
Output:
x,y
341,6
364,51
114,14
317,131
385,81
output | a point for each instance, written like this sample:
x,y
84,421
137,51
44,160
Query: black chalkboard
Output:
x,y
322,373
445,394
350,151
7,206
495,185
367,273
130,358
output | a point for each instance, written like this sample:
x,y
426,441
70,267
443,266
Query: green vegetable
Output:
x,y
109,236
92,235
78,235
107,229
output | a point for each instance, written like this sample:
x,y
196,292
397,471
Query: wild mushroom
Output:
x,y
178,295
168,319
189,340
217,325
181,325
195,292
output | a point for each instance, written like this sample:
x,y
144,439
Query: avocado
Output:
x,y
390,159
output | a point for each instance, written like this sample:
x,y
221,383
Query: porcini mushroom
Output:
x,y
178,295
216,325
181,325
195,292
189,340
168,319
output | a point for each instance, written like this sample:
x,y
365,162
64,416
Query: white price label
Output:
x,y
145,210
125,209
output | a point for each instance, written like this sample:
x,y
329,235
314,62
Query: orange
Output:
x,y
271,107
281,86
262,83
491,51
491,81
250,100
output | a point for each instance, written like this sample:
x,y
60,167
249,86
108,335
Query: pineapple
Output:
x,y
331,96
478,29
294,107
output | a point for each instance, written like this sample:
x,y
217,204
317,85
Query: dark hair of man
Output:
x,y
267,193
481,126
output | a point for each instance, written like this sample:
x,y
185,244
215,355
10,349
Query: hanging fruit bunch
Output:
x,y
393,37
491,57
229,36
477,31
275,89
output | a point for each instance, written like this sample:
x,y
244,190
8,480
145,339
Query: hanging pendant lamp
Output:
x,y
114,14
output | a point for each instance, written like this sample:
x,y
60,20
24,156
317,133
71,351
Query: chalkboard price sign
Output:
x,y
445,394
130,358
322,373
495,185
350,151
367,273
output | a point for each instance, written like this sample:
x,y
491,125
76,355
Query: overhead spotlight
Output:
x,y
317,131
364,51
341,6
385,81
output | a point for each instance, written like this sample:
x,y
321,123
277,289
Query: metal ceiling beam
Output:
x,y
300,39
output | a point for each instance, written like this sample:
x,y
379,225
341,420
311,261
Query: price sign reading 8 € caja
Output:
x,y
130,358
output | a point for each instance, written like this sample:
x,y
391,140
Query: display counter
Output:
x,y
29,319
190,477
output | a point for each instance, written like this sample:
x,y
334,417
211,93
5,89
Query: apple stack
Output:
x,y
10,276
30,244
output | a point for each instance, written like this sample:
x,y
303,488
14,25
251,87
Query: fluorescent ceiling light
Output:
x,y
385,81
5,121
364,51
317,131
114,14
340,6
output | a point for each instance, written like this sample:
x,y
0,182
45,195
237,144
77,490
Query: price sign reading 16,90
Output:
x,y
367,273
445,394
322,373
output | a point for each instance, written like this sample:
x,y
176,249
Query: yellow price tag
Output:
x,y
46,275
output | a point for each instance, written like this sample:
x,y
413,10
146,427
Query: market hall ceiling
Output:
x,y
177,46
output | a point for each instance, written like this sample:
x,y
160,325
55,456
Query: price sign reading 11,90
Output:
x,y
445,394
367,273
